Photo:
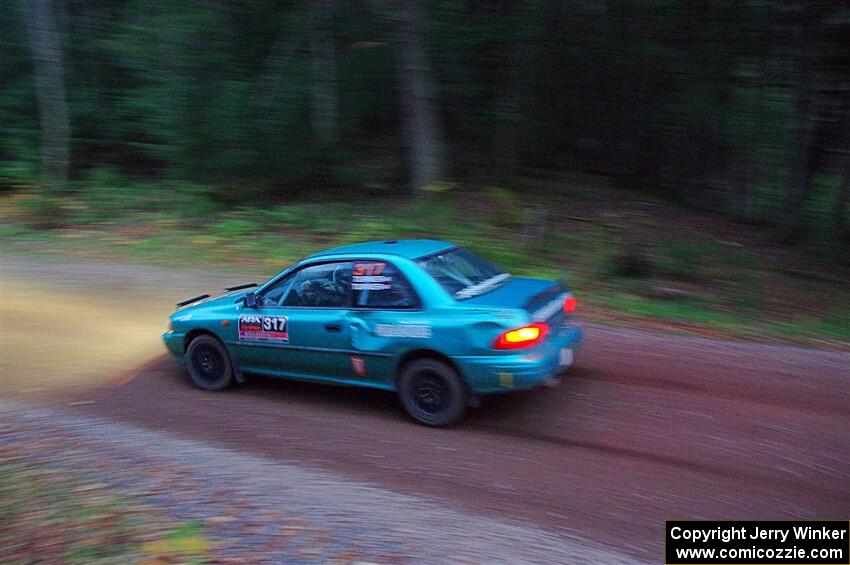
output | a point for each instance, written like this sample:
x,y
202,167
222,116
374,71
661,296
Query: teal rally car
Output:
x,y
428,319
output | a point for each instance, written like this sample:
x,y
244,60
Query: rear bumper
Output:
x,y
488,374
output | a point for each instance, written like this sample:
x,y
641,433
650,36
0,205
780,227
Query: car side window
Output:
x,y
273,297
319,286
378,284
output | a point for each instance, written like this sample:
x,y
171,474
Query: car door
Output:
x,y
385,321
264,344
299,325
316,304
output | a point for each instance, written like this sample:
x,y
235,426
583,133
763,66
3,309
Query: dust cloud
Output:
x,y
67,326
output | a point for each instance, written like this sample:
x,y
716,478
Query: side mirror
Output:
x,y
251,300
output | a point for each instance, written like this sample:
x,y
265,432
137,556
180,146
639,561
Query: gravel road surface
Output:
x,y
256,510
646,427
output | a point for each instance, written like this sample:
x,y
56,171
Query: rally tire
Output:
x,y
432,392
209,364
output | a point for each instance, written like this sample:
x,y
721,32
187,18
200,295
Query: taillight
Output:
x,y
523,337
570,304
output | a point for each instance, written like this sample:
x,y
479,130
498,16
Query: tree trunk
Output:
x,y
839,222
323,53
748,194
509,118
800,158
422,134
48,67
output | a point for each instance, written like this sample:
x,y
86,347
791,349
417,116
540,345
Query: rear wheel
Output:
x,y
209,364
432,392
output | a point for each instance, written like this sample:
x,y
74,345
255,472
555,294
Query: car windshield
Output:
x,y
463,273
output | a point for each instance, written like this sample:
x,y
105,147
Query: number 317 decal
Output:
x,y
367,276
366,269
264,328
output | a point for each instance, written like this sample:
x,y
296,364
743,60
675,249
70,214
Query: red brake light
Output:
x,y
570,304
523,337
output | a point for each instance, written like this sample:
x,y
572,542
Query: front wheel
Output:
x,y
209,364
432,392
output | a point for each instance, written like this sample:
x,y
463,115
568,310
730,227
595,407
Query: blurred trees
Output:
x,y
324,73
422,134
46,44
738,106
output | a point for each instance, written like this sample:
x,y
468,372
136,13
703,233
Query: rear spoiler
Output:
x,y
545,295
191,300
240,287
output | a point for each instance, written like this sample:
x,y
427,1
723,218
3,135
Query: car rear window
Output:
x,y
463,273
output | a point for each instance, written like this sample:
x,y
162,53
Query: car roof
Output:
x,y
409,248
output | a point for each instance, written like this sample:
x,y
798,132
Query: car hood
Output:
x,y
220,300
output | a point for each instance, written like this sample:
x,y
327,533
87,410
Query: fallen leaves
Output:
x,y
51,515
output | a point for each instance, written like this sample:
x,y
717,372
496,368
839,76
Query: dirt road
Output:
x,y
646,428
68,325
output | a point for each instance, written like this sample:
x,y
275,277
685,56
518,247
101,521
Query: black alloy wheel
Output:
x,y
432,392
209,364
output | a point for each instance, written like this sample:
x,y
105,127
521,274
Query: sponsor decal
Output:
x,y
403,330
371,283
254,327
358,365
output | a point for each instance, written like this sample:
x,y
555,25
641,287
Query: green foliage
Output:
x,y
688,311
696,281
302,217
660,93
44,210
88,522
189,201
684,261
508,208
630,261
235,227
193,135
836,326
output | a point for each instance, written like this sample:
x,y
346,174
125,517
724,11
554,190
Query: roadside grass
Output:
x,y
629,260
50,515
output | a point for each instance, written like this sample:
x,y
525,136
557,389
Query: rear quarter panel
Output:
x,y
441,325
